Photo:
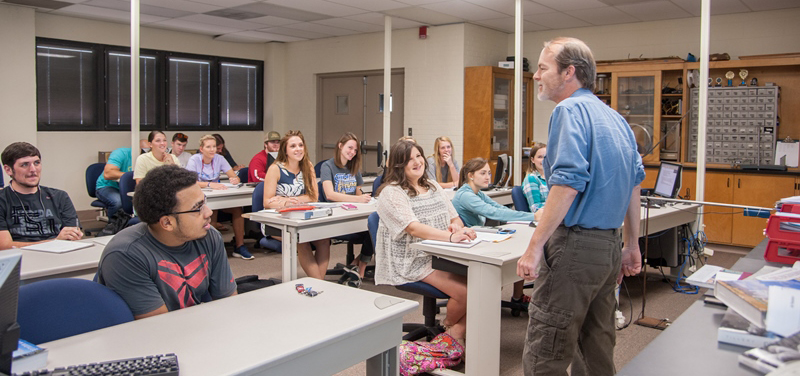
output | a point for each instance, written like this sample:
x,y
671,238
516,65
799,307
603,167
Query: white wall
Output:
x,y
65,155
434,79
17,65
737,34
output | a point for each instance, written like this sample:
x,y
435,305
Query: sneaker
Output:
x,y
354,280
243,252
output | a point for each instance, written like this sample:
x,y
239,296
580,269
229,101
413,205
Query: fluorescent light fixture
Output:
x,y
239,66
45,54
128,55
65,49
189,61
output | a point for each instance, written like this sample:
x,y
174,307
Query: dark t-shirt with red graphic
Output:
x,y
147,274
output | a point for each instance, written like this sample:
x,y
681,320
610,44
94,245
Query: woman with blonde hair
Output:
x,y
291,181
442,167
208,165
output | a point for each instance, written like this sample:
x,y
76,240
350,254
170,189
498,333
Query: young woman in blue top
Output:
x,y
291,181
535,186
474,207
341,181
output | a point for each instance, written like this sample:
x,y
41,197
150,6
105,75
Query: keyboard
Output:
x,y
156,365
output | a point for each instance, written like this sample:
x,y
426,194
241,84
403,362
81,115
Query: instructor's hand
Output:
x,y
528,264
631,262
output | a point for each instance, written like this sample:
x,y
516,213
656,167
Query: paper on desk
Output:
x,y
103,240
268,211
229,185
58,246
491,237
782,274
783,310
464,244
519,222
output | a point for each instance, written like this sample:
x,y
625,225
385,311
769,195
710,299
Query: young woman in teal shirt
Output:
x,y
535,186
474,207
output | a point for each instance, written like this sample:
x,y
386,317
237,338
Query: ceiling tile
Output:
x,y
556,20
272,21
194,27
378,19
509,7
467,11
603,16
424,16
279,11
183,5
759,5
256,36
420,2
224,3
143,9
562,5
654,10
319,6
371,5
295,33
717,6
349,24
46,5
507,25
321,29
105,14
220,21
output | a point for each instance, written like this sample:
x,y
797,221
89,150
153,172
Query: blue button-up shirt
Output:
x,y
592,149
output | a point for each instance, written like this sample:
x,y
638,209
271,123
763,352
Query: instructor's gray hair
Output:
x,y
576,53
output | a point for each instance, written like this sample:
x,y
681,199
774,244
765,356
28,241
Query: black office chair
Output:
x,y
127,184
349,239
92,173
318,167
243,174
431,327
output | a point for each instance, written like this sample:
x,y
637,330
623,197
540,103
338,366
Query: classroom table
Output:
x,y
689,345
38,266
282,333
493,265
226,198
500,195
295,231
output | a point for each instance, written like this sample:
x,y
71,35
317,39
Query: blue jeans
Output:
x,y
110,197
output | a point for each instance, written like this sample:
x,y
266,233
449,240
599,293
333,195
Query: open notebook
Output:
x,y
479,237
58,246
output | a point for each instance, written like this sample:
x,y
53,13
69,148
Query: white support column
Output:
x,y
705,21
134,81
519,122
387,82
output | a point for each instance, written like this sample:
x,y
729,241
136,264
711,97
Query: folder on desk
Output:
x,y
57,246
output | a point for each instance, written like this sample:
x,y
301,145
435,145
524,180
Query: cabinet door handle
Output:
x,y
729,182
739,183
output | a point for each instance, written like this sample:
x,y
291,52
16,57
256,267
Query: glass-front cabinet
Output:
x,y
637,97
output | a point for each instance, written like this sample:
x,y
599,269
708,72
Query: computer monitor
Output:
x,y
9,292
500,170
669,180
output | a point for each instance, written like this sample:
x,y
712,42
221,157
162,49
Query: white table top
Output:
x,y
42,265
339,214
273,330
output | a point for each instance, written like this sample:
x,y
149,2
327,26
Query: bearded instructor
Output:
x,y
576,254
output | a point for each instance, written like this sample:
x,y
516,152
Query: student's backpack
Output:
x,y
420,357
115,224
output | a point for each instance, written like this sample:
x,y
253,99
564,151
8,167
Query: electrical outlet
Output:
x,y
409,132
708,251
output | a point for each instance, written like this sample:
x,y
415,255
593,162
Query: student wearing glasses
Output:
x,y
156,157
179,141
208,165
291,181
173,258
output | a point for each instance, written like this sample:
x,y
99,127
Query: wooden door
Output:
x,y
718,221
688,189
761,191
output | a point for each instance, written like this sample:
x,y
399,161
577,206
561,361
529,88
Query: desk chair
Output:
x,y
62,307
520,202
257,204
127,184
431,327
92,173
243,174
376,184
318,167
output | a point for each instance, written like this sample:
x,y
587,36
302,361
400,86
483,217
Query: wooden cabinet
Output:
x,y
635,96
489,113
728,225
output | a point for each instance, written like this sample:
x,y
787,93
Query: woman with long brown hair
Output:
x,y
442,167
291,181
413,208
